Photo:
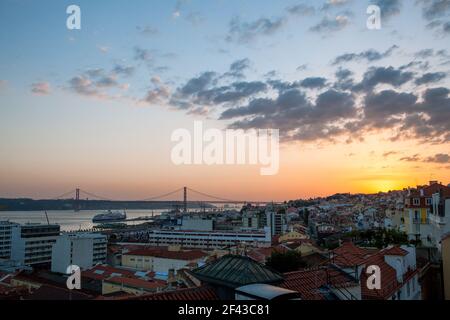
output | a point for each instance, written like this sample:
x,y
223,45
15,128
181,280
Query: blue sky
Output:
x,y
111,93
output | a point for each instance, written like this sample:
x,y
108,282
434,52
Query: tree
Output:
x,y
286,262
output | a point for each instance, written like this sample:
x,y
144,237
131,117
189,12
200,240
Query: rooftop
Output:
x,y
236,271
166,254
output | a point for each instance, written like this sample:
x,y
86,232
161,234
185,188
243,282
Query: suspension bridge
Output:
x,y
79,196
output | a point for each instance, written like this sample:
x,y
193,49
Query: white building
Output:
x,y
276,222
200,224
31,244
209,239
82,249
5,239
161,261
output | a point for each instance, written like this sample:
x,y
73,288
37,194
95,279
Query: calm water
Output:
x,y
70,220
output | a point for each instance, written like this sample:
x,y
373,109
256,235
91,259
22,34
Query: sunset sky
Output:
x,y
358,110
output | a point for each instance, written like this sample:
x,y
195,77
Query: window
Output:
x,y
428,201
416,201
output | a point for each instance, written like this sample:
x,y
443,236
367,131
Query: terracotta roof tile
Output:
x,y
178,255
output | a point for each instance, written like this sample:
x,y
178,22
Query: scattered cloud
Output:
x,y
41,88
369,55
141,54
245,32
147,30
389,8
330,24
430,77
439,158
103,49
413,158
389,153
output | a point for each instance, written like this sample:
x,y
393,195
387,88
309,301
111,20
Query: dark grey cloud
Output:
x,y
439,158
413,158
124,70
313,82
382,110
245,32
384,75
294,114
433,9
430,77
369,55
389,153
199,83
389,8
301,10
238,68
344,79
141,54
331,24
231,93
332,4
107,81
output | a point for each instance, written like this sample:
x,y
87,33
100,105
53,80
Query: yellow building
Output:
x,y
292,236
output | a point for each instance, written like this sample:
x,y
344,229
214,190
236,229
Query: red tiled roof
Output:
x,y
47,292
261,254
309,282
395,251
202,293
177,255
101,272
137,283
350,255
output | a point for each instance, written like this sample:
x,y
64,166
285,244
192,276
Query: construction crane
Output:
x,y
46,216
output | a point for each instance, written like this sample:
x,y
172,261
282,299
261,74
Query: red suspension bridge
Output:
x,y
79,195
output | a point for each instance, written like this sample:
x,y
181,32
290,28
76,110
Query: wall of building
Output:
x,y
446,266
155,264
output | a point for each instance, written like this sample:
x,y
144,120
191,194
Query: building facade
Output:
x,y
161,261
31,244
5,239
428,214
82,249
209,240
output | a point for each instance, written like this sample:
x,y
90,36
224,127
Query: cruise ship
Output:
x,y
110,216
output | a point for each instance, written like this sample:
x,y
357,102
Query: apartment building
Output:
x,y
399,273
428,213
82,249
5,239
31,244
209,239
162,260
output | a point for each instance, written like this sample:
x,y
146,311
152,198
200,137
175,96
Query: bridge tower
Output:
x,y
185,200
77,200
